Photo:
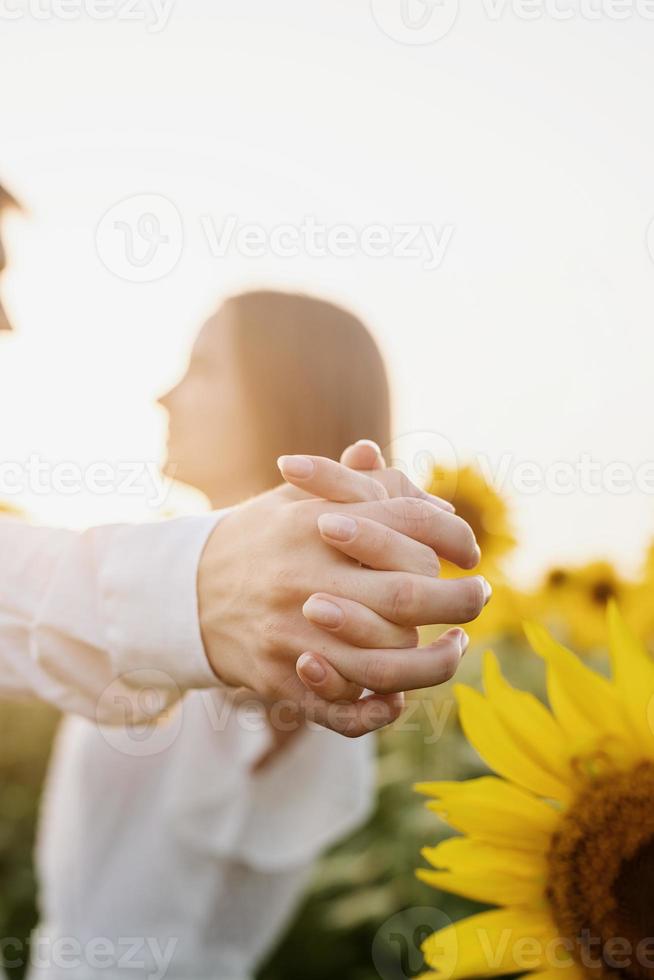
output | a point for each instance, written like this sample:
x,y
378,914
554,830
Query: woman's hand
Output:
x,y
354,622
265,559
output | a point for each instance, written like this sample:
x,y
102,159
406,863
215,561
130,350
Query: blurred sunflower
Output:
x,y
483,508
574,600
641,614
563,837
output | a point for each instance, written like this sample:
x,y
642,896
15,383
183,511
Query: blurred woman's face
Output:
x,y
211,431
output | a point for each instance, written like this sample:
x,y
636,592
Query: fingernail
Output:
x,y
488,591
477,555
301,467
369,442
311,668
337,526
464,640
323,613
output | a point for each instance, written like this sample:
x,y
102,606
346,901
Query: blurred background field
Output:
x,y
348,924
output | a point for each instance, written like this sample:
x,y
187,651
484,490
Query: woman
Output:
x,y
185,847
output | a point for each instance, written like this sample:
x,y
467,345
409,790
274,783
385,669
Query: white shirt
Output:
x,y
162,846
87,621
158,844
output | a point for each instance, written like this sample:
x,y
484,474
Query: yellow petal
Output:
x,y
491,944
528,721
495,811
468,855
505,754
486,873
494,888
633,672
585,704
563,971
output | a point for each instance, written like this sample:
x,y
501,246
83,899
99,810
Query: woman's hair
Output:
x,y
313,374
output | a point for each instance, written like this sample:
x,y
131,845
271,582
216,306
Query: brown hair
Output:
x,y
313,374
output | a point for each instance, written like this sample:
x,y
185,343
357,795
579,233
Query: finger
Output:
x,y
326,478
378,546
413,600
391,671
356,624
366,715
398,484
363,455
318,675
446,534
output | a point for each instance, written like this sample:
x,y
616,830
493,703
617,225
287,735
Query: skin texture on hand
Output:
x,y
266,559
335,680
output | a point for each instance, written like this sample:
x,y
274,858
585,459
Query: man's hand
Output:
x,y
266,559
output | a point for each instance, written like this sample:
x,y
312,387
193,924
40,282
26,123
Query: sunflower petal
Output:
x,y
633,672
485,872
576,693
498,747
492,889
528,721
491,944
494,811
562,971
469,854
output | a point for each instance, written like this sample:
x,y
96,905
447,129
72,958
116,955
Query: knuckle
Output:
x,y
430,563
397,483
380,674
409,639
403,601
417,514
380,542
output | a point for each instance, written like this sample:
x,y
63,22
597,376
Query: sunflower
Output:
x,y
482,507
562,839
574,600
642,608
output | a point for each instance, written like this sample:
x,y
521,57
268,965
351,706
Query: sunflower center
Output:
x,y
602,591
601,880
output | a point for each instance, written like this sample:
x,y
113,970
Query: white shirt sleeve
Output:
x,y
103,623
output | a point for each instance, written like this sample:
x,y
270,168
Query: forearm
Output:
x,y
87,621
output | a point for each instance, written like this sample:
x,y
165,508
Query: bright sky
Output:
x,y
525,148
